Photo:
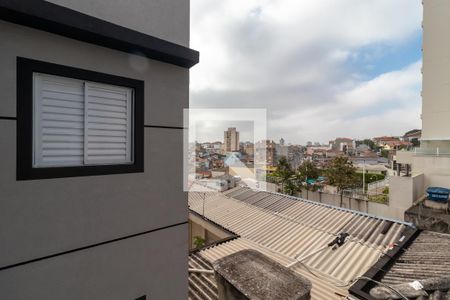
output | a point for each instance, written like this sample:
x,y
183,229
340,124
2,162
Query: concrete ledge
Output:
x,y
248,274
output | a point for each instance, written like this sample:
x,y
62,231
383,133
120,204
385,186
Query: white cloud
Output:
x,y
290,57
386,105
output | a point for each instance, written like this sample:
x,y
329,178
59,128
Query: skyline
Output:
x,y
214,129
354,75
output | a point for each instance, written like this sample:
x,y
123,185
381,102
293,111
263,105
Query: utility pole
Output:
x,y
364,176
203,210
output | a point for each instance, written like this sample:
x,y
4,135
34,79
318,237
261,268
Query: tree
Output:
x,y
308,170
285,176
367,142
415,142
342,174
199,241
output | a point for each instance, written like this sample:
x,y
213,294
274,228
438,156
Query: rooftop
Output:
x,y
283,227
426,260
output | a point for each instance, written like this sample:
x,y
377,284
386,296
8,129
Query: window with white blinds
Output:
x,y
79,123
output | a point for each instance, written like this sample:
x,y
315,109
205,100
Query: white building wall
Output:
x,y
436,70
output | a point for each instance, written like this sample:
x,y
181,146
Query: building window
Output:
x,y
79,122
74,122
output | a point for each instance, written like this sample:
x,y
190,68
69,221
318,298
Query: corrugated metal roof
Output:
x,y
201,285
427,257
284,227
321,286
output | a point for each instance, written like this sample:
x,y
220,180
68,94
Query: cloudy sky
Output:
x,y
322,68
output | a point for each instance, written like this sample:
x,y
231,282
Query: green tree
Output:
x,y
308,170
285,176
199,241
367,142
415,142
342,174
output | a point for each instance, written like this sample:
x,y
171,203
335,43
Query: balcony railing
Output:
x,y
431,151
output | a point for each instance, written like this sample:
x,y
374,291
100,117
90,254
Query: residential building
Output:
x,y
391,143
345,145
413,136
281,150
317,150
92,203
295,155
429,165
212,148
249,148
266,151
231,140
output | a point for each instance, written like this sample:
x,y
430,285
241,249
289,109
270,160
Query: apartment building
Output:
x,y
92,203
429,165
231,140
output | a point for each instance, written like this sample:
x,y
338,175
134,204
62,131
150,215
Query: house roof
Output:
x,y
427,257
201,285
414,133
282,227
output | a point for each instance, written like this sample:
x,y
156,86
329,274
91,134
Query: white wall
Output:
x,y
436,70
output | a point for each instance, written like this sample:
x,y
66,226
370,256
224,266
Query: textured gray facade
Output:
x,y
110,236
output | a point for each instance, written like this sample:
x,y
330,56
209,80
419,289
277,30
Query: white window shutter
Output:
x,y
58,121
108,124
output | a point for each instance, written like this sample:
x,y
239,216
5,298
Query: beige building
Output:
x,y
231,140
429,165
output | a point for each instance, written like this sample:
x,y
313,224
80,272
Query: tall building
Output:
x,y
231,140
91,186
429,165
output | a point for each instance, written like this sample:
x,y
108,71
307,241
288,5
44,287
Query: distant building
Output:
x,y
295,155
413,136
282,150
231,140
249,148
266,148
212,147
345,145
317,150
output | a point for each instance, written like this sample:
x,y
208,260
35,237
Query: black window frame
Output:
x,y
25,169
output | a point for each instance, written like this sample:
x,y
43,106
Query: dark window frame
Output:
x,y
25,170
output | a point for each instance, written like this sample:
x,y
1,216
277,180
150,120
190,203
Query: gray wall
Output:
x,y
148,265
394,209
45,217
166,19
166,86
